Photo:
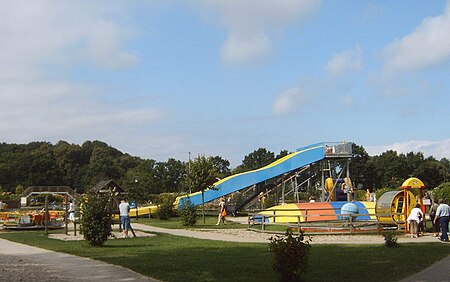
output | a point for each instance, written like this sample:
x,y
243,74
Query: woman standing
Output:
x,y
222,211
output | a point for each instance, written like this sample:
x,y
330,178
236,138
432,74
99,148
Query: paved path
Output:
x,y
438,272
21,262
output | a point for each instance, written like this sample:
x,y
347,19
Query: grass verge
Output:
x,y
175,223
173,258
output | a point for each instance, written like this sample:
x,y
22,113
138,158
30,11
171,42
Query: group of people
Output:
x,y
439,216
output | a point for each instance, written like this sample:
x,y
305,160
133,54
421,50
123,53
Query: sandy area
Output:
x,y
78,237
324,239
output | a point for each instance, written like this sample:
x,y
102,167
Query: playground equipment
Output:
x,y
319,211
333,159
393,207
33,217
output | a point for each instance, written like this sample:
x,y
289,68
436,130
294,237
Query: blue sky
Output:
x,y
159,79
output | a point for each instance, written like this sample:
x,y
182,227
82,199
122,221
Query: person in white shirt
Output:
x,y
71,211
124,209
414,218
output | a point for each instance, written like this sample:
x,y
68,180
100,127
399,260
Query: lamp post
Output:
x,y
136,192
189,168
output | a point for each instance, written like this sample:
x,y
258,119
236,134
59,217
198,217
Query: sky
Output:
x,y
169,79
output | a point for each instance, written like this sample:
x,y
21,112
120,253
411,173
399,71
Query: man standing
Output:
x,y
443,214
71,211
124,209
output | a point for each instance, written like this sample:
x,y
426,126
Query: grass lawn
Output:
x,y
210,223
173,258
175,223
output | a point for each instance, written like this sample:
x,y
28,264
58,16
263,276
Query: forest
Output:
x,y
82,167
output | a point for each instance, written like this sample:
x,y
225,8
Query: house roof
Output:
x,y
108,186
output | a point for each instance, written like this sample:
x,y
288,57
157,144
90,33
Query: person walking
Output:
x,y
124,209
222,211
443,214
436,225
71,211
414,218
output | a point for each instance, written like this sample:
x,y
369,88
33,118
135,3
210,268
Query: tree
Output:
x,y
431,172
282,154
391,168
222,166
42,166
255,160
140,181
102,164
201,175
175,170
362,170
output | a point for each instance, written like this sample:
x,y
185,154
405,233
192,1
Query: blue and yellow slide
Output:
x,y
294,161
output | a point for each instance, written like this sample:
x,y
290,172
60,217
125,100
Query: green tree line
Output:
x,y
81,167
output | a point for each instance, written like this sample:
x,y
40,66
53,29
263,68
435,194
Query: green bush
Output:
x,y
291,255
165,209
442,192
97,219
390,239
269,201
188,213
360,195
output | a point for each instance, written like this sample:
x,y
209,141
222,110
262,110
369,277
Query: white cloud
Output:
x,y
290,101
348,60
427,45
437,149
41,42
104,47
252,24
55,110
241,50
39,33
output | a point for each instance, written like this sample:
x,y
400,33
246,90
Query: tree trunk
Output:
x,y
203,206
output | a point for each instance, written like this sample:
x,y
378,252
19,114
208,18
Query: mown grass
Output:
x,y
173,258
175,223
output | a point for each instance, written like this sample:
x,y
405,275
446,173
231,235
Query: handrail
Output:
x,y
346,220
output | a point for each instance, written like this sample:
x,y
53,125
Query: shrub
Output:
x,y
291,255
390,239
165,209
97,219
442,192
188,213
